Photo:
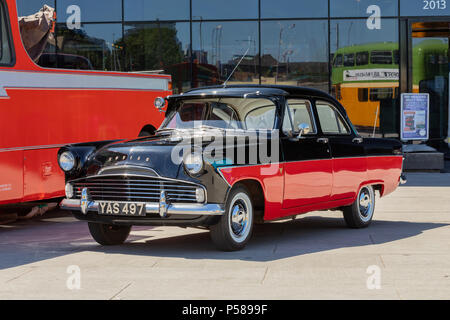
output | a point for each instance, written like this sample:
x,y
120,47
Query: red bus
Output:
x,y
42,109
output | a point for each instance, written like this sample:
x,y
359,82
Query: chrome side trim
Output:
x,y
208,209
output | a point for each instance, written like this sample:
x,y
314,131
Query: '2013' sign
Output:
x,y
434,4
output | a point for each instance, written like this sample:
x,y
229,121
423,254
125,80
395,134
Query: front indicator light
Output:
x,y
69,191
200,195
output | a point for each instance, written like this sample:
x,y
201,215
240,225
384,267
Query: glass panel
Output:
x,y
94,46
425,7
290,59
37,41
430,75
5,49
145,10
227,113
300,112
363,8
330,120
294,9
217,49
89,11
359,87
230,9
160,47
29,7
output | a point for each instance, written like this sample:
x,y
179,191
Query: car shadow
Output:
x,y
270,242
274,241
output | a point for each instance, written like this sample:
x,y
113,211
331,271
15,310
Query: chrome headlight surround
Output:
x,y
66,161
193,163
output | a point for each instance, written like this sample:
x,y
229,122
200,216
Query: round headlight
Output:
x,y
193,163
66,161
69,191
159,103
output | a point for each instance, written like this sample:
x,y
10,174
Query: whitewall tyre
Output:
x,y
235,227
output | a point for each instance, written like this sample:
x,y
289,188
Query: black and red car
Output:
x,y
226,158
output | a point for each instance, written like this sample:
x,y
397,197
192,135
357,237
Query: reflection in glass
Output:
x,y
217,49
365,74
158,47
430,75
363,8
144,10
294,9
90,11
231,9
425,8
290,59
39,43
91,47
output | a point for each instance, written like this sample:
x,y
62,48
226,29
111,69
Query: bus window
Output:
x,y
396,57
377,94
338,60
381,57
5,48
349,60
363,94
362,58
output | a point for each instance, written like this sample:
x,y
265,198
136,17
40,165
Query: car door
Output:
x,y
347,151
307,167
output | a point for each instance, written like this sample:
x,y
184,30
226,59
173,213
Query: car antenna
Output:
x,y
237,65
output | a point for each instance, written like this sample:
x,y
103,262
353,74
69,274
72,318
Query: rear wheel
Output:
x,y
360,213
108,235
235,227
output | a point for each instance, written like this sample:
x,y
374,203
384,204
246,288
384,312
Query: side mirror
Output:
x,y
160,103
303,128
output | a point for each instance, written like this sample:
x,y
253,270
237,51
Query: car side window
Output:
x,y
330,119
261,118
223,116
298,112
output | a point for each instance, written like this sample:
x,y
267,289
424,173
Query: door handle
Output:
x,y
322,140
358,140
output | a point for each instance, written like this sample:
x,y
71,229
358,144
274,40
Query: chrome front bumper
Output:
x,y
155,207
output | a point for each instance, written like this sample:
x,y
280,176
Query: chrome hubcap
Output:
x,y
365,203
239,218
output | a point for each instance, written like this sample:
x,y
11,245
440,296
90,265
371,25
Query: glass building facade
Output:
x,y
364,52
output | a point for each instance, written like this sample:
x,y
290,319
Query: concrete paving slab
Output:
x,y
313,257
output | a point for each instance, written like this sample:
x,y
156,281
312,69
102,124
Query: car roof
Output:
x,y
241,90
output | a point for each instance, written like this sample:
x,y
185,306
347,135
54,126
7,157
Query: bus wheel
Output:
x,y
109,235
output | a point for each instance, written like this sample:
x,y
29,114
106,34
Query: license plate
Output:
x,y
121,208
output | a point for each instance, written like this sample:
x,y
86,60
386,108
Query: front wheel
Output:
x,y
360,213
108,235
235,227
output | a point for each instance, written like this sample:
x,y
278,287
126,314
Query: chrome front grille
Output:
x,y
135,189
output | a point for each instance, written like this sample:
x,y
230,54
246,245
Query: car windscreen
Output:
x,y
223,113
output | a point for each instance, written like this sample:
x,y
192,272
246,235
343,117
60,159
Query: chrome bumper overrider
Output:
x,y
175,208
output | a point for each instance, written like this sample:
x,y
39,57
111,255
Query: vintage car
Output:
x,y
226,158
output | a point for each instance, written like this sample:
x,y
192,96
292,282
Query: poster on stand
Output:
x,y
414,116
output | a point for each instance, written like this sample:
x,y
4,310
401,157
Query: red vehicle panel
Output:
x,y
42,109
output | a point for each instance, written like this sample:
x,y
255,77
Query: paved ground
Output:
x,y
315,256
